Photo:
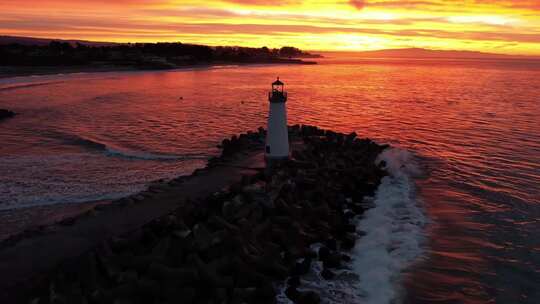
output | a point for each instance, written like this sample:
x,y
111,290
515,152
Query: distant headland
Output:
x,y
25,56
421,53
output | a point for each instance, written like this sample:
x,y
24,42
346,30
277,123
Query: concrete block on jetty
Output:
x,y
228,234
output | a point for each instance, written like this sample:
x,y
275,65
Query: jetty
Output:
x,y
228,233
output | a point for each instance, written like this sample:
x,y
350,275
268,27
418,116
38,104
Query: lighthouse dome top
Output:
x,y
277,94
277,82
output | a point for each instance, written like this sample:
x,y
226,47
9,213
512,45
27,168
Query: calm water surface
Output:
x,y
465,195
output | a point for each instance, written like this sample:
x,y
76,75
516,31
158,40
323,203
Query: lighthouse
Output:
x,y
277,139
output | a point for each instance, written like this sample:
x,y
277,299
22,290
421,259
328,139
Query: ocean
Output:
x,y
456,221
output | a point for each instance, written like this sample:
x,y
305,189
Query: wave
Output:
x,y
393,231
26,85
110,150
152,156
391,239
84,142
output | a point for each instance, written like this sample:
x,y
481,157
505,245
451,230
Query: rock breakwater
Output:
x,y
235,245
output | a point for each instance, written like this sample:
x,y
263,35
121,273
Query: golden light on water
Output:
x,y
499,26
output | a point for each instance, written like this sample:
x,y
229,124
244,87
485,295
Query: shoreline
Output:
x,y
33,220
62,213
239,173
75,235
26,71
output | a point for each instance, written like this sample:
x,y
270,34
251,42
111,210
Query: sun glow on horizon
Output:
x,y
497,26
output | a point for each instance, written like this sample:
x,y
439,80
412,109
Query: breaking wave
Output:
x,y
393,231
113,151
391,239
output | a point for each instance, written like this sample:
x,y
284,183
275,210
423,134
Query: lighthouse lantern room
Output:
x,y
277,139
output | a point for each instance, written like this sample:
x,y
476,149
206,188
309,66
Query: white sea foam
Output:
x,y
393,231
393,237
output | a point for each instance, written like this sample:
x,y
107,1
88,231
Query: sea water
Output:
x,y
456,220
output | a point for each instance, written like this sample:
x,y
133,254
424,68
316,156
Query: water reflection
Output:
x,y
474,125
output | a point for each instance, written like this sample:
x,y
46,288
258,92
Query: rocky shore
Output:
x,y
6,114
238,244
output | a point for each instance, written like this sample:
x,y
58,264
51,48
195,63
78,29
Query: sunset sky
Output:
x,y
499,26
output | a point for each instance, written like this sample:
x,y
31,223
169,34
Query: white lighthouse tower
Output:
x,y
277,139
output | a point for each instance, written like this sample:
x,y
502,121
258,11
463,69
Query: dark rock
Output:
x,y
125,291
145,287
348,214
162,247
309,297
351,137
243,295
128,276
140,263
350,228
293,294
88,272
324,253
294,281
175,294
301,268
331,244
202,238
6,114
357,208
302,297
165,273
265,291
333,260
327,274
220,295
348,242
209,275
247,276
271,267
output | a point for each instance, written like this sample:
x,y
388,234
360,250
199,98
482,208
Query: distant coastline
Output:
x,y
21,56
18,71
420,53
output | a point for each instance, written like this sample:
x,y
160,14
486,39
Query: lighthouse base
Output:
x,y
273,162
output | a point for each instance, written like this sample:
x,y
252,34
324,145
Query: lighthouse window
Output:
x,y
267,149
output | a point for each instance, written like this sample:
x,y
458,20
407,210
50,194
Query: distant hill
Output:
x,y
33,54
45,41
427,53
